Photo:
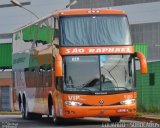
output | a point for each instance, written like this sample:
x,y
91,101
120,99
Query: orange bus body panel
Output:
x,y
58,65
97,50
89,12
94,109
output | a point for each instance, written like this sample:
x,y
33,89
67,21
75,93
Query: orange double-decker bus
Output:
x,y
76,63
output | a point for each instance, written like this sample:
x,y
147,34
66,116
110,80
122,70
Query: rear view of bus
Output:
x,y
98,64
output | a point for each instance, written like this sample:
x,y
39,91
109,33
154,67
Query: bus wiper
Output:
x,y
124,88
86,89
83,89
90,83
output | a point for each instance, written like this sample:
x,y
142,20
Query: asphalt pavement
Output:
x,y
15,121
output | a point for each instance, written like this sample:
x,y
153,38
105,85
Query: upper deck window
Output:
x,y
98,30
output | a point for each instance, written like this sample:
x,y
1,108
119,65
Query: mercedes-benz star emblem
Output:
x,y
101,102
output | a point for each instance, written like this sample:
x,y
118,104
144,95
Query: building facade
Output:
x,y
6,96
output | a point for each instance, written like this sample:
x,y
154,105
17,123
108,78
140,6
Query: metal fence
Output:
x,y
148,89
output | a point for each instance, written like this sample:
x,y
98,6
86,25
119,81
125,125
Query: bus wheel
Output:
x,y
115,119
56,120
35,116
26,113
23,113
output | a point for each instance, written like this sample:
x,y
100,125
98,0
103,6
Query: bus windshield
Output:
x,y
98,30
98,73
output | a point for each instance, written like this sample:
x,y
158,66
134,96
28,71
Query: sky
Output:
x,y
12,18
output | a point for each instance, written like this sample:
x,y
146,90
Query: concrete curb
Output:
x,y
143,118
149,118
10,113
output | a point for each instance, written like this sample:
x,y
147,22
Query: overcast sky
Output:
x,y
12,18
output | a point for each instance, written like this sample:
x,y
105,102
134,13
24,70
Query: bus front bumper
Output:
x,y
99,111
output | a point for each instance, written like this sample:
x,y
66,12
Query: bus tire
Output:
x,y
114,119
20,104
53,115
35,116
56,120
25,114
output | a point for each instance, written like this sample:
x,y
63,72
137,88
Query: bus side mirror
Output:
x,y
143,62
58,65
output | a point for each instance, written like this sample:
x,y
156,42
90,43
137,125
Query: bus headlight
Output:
x,y
128,102
73,103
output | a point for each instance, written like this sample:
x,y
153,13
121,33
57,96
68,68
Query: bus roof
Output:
x,y
93,11
73,12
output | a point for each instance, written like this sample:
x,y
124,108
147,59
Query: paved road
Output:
x,y
15,121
